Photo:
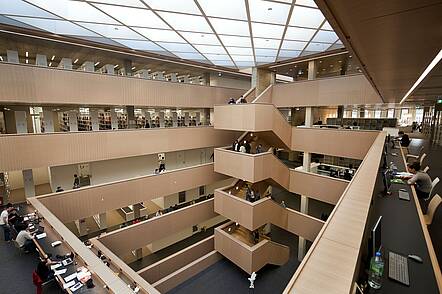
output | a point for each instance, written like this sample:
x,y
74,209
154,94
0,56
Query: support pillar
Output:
x,y
139,253
28,181
131,123
101,221
21,123
261,79
95,123
81,226
174,119
73,121
307,158
48,119
341,111
186,119
114,119
127,65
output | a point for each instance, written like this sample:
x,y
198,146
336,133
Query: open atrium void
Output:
x,y
220,146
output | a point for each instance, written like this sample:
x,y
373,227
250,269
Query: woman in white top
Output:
x,y
242,149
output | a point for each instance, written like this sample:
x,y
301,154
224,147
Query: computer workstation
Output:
x,y
396,229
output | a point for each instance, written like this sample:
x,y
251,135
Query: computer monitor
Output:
x,y
386,179
376,238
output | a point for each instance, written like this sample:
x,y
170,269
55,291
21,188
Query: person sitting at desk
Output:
x,y
43,269
347,175
25,239
420,179
405,140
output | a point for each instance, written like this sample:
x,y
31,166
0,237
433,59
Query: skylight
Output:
x,y
231,33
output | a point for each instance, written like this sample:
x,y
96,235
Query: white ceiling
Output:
x,y
231,33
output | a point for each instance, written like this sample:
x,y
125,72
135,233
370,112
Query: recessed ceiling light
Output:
x,y
320,61
97,63
50,63
133,67
349,56
331,65
323,69
296,66
27,54
219,74
75,61
53,57
340,61
116,66
27,61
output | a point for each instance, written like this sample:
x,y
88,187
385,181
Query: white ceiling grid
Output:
x,y
231,33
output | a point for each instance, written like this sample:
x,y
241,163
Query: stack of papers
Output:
x,y
40,236
76,287
55,266
70,284
60,272
70,277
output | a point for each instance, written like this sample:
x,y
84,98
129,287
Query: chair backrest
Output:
x,y
422,158
433,184
432,206
426,169
16,244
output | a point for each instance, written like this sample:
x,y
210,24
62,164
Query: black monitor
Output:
x,y
386,179
376,237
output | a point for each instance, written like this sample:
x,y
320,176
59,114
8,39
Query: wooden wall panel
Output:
x,y
343,90
85,202
174,262
342,143
27,151
37,85
139,235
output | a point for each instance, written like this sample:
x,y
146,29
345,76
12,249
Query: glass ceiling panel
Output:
x,y
230,27
293,45
242,58
60,27
133,3
269,12
112,31
186,6
265,59
243,64
267,30
184,22
177,47
160,35
310,3
299,34
212,57
20,8
289,53
317,47
240,50
326,37
235,9
266,52
192,56
140,45
266,43
326,26
74,10
236,41
306,17
134,16
198,38
210,49
223,63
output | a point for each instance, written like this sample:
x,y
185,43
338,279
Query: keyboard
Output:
x,y
404,195
398,268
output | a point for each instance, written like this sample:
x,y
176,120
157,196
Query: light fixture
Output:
x,y
27,61
339,61
320,61
116,66
50,63
27,54
423,75
331,65
53,57
97,63
349,56
323,69
75,61
133,67
1,58
219,74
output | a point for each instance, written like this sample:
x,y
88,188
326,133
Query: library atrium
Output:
x,y
234,146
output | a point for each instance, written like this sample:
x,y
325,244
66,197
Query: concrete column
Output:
x,y
101,221
137,208
21,123
174,119
28,181
139,253
186,118
341,111
127,65
95,123
73,121
131,123
48,119
161,116
307,158
12,56
311,70
261,79
114,119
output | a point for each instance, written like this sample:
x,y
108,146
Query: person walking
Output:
x,y
4,222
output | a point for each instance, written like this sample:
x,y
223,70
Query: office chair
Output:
x,y
416,156
432,207
426,169
20,250
433,184
422,158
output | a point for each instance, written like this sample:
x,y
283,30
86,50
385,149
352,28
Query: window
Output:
x,y
182,197
390,113
354,113
419,115
377,114
366,113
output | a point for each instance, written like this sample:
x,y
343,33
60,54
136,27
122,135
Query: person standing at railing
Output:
x,y
248,147
258,149
235,146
